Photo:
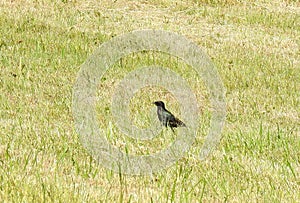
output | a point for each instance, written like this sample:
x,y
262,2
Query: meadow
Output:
x,y
254,45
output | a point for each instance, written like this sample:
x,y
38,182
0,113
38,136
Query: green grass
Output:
x,y
255,47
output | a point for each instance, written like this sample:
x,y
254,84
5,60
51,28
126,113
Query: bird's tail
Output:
x,y
180,123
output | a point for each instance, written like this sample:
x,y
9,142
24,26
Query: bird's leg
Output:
x,y
168,124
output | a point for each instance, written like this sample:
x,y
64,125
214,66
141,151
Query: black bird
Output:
x,y
166,117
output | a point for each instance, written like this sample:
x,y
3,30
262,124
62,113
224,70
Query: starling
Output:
x,y
166,117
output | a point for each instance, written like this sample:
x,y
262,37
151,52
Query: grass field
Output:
x,y
255,47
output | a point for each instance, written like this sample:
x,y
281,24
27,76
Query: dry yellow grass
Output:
x,y
255,47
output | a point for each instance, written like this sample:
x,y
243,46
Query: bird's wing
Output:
x,y
176,123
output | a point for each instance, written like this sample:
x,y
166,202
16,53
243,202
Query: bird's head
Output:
x,y
159,103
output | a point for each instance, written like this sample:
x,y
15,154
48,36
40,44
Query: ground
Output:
x,y
255,46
